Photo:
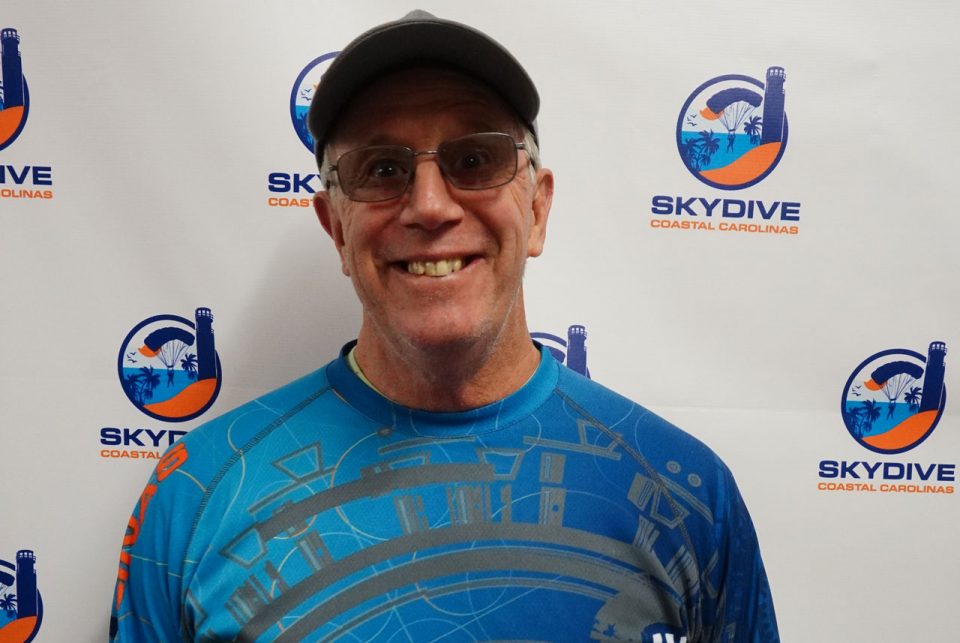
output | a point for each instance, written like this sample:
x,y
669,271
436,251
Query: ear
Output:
x,y
329,218
542,200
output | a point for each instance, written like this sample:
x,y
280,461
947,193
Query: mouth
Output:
x,y
439,268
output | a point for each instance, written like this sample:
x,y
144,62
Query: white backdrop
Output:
x,y
161,123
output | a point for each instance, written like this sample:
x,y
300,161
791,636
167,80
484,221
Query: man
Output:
x,y
444,478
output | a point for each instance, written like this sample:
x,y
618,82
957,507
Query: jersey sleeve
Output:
x,y
745,611
147,596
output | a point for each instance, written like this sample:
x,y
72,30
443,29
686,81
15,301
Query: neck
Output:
x,y
449,377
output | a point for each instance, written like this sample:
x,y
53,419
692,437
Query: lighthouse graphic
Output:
x,y
571,351
14,97
894,399
169,367
21,608
933,392
773,99
732,130
206,351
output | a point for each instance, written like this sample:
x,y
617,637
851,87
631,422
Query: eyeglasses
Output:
x,y
472,162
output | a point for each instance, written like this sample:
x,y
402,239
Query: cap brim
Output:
x,y
414,40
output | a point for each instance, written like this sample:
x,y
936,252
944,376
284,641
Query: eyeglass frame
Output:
x,y
415,153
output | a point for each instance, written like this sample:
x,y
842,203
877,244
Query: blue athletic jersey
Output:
x,y
324,512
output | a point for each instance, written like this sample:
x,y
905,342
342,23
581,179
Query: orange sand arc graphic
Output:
x,y
747,167
187,402
19,630
9,122
905,433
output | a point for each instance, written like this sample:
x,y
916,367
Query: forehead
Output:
x,y
412,104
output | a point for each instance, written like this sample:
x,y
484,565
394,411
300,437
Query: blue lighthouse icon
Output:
x,y
12,67
21,608
14,97
571,351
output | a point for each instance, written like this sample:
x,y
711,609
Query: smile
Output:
x,y
439,268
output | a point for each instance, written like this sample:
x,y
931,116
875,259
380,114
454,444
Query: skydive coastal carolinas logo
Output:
x,y
169,367
731,134
296,189
891,403
14,110
723,140
21,608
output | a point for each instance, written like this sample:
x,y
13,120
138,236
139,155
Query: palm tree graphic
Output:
x,y
912,397
140,386
9,604
189,364
871,413
753,127
853,419
861,418
698,151
709,147
150,381
691,153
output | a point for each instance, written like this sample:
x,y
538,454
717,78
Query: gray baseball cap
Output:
x,y
419,37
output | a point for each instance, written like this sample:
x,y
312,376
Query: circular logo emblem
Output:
x,y
893,400
14,95
732,130
169,368
302,94
21,608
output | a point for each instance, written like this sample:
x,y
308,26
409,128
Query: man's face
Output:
x,y
484,236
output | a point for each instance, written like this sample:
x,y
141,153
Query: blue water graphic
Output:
x,y
722,158
163,391
883,424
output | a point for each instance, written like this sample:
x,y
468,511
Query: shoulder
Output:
x,y
154,563
640,428
659,453
211,444
195,465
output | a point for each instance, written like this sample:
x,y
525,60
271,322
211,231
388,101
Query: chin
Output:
x,y
445,337
429,342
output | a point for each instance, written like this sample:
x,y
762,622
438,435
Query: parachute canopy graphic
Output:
x,y
731,106
167,343
893,378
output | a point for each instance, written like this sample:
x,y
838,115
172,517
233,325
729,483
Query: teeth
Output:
x,y
435,268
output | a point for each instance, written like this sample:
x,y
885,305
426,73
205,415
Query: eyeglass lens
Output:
x,y
473,162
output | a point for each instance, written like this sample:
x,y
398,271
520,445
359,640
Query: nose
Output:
x,y
429,202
